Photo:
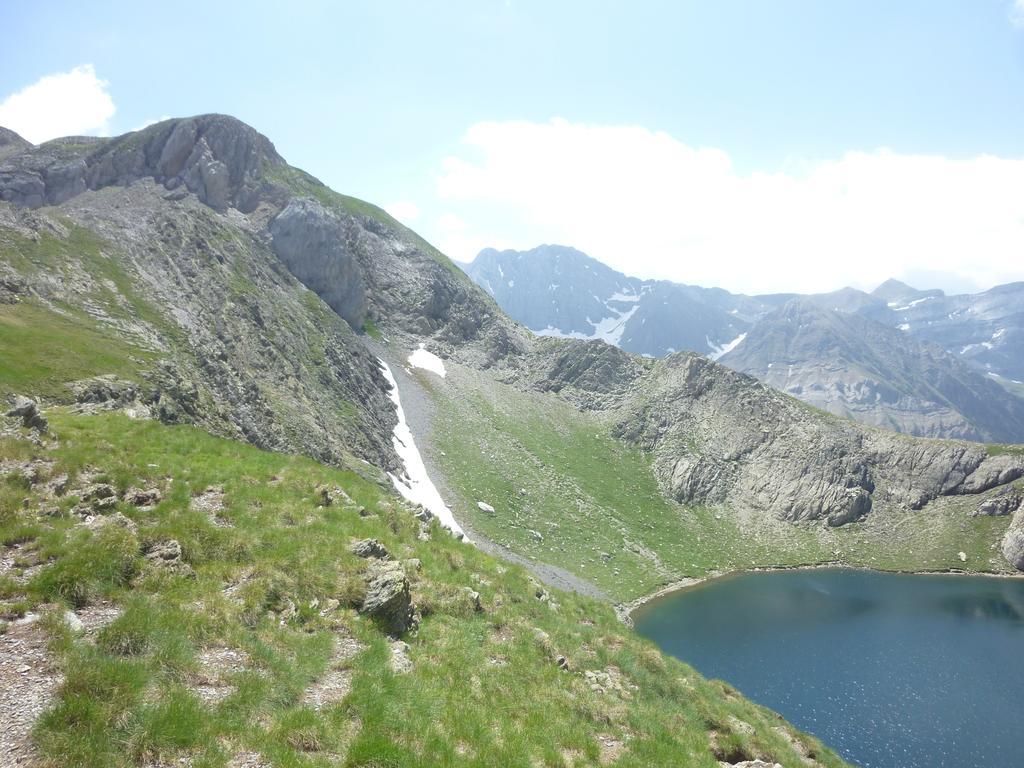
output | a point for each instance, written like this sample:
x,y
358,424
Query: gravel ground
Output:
x,y
28,681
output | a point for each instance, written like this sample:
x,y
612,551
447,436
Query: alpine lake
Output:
x,y
890,670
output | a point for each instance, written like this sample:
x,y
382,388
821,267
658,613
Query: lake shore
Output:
x,y
625,610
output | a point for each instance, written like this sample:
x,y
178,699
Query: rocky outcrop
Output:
x,y
313,243
11,143
26,409
219,158
237,345
722,437
388,597
370,548
1006,502
1013,541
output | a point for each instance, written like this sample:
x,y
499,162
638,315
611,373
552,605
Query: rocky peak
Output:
x,y
219,158
11,143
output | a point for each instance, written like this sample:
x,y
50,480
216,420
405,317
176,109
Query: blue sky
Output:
x,y
424,106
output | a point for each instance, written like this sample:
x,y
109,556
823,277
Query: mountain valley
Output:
x,y
202,452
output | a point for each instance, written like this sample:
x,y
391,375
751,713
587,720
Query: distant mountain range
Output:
x,y
915,361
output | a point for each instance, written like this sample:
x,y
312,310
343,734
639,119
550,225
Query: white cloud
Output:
x,y
149,122
403,210
1017,13
64,104
649,205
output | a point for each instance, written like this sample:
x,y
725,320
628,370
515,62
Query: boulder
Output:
x,y
388,597
27,409
370,548
166,555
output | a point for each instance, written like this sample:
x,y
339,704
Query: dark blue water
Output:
x,y
890,670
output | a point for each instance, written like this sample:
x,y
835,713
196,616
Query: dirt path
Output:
x,y
28,682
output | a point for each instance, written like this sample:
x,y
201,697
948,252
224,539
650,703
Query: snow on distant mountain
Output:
x,y
558,291
887,377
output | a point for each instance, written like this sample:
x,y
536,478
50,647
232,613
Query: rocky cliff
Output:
x,y
850,365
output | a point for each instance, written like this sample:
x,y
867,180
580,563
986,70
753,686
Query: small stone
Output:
x,y
97,492
485,507
74,623
143,498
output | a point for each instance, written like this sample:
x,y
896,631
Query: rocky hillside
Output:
x,y
194,243
853,366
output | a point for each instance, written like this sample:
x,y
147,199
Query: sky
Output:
x,y
758,146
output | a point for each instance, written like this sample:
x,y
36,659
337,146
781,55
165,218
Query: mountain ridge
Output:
x,y
664,317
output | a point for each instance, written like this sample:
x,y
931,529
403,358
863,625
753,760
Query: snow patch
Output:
x,y
914,303
415,484
511,283
428,361
608,329
632,297
904,326
718,351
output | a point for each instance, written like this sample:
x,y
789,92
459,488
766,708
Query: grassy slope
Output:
x,y
550,469
484,689
43,350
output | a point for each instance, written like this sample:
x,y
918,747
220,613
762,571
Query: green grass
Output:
x,y
484,689
995,449
551,470
43,350
371,330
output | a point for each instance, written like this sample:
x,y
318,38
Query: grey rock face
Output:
x,y
388,597
916,362
218,158
243,350
853,366
1006,502
1013,542
313,243
722,437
